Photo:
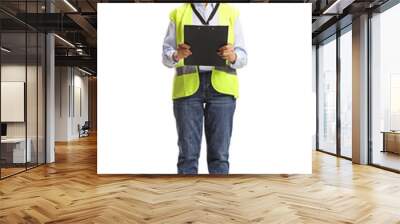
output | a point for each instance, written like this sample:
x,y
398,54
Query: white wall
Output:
x,y
61,103
79,117
34,126
11,73
69,82
17,72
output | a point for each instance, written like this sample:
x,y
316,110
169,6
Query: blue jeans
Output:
x,y
217,111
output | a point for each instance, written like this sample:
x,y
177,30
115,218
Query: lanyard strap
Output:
x,y
201,18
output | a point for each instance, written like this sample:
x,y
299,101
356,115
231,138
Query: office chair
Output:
x,y
84,130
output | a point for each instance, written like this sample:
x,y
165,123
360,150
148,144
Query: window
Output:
x,y
346,93
385,89
327,96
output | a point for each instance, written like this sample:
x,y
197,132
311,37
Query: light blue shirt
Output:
x,y
169,46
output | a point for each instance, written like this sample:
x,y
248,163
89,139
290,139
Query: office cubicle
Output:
x,y
22,90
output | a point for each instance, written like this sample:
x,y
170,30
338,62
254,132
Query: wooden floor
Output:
x,y
69,191
5,172
387,159
9,171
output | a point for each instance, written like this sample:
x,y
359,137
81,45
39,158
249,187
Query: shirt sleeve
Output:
x,y
169,46
240,49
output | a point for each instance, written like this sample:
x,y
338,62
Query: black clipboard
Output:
x,y
204,42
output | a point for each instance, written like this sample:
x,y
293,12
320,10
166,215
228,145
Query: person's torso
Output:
x,y
223,78
205,12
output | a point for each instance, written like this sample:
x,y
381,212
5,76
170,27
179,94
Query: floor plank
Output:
x,y
70,191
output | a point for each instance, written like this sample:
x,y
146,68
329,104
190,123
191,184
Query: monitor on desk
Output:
x,y
3,130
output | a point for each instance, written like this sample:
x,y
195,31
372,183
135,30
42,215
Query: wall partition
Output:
x,y
22,89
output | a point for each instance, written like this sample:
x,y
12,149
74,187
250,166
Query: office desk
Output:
x,y
13,150
391,141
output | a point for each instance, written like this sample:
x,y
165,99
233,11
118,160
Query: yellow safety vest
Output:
x,y
186,81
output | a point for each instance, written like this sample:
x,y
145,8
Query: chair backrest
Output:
x,y
86,124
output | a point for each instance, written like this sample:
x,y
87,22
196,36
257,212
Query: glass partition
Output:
x,y
14,153
22,101
385,89
327,96
346,93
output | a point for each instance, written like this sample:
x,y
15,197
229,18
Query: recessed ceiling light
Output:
x,y
84,71
5,50
338,6
64,40
70,5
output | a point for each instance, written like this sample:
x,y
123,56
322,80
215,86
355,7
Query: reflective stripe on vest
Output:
x,y
192,69
223,78
226,69
185,70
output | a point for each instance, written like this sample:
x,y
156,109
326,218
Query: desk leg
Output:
x,y
384,143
